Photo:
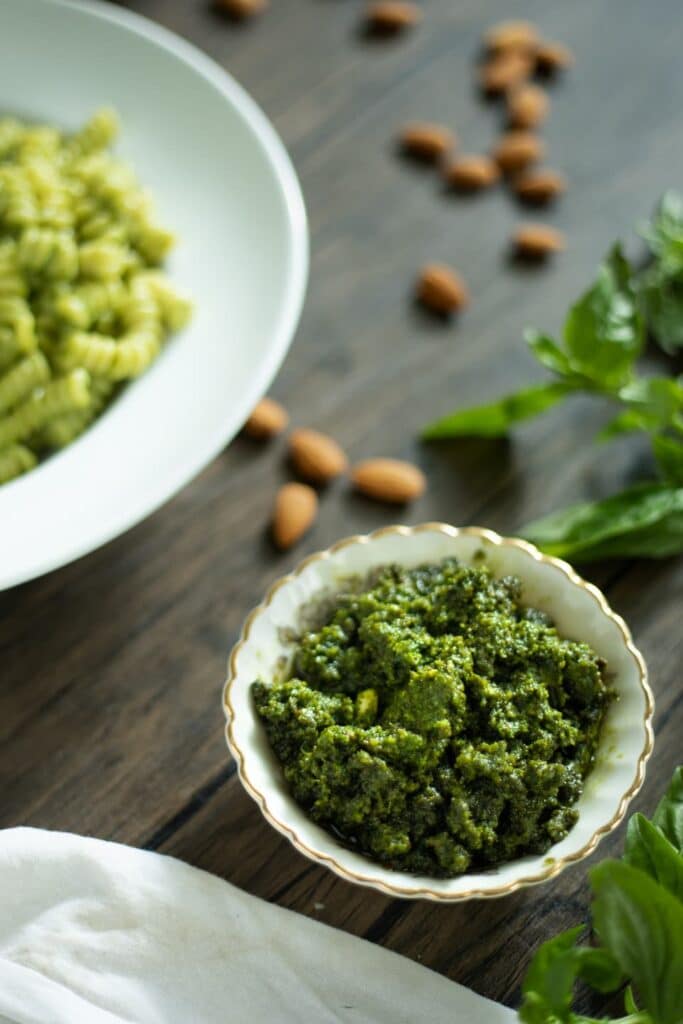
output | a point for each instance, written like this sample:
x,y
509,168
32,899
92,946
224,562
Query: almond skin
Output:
x,y
511,36
296,506
536,241
391,16
527,106
498,75
516,150
315,456
471,173
240,10
267,420
425,141
389,480
537,187
553,57
441,289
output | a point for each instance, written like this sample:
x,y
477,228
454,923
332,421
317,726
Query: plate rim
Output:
x,y
298,247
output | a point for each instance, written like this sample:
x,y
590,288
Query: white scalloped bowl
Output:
x,y
580,612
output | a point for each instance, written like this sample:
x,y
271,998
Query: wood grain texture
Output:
x,y
110,718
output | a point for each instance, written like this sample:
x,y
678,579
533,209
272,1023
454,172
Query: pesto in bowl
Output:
x,y
435,723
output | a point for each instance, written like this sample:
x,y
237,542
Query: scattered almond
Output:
x,y
516,150
390,16
315,456
241,9
553,57
296,506
539,186
511,36
268,419
427,141
470,173
441,289
527,106
389,480
505,72
536,241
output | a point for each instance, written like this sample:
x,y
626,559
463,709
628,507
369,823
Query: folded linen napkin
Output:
x,y
104,934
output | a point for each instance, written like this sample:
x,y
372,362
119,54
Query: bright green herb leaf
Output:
x,y
662,300
642,926
495,420
669,814
547,352
645,521
549,984
648,849
669,455
664,234
604,331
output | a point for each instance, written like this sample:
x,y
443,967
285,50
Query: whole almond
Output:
x,y
536,241
539,186
505,72
296,506
470,173
516,150
553,57
241,9
389,480
510,36
441,289
315,456
387,17
426,141
268,419
527,106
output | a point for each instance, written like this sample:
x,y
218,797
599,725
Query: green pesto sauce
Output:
x,y
437,724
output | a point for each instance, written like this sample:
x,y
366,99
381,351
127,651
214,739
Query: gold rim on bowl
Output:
x,y
554,866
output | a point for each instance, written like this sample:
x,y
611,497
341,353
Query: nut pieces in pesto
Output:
x,y
436,723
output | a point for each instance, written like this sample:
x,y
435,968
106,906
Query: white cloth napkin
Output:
x,y
104,934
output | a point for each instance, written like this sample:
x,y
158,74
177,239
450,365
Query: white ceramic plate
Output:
x,y
224,183
580,612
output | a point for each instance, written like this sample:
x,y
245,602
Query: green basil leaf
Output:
x,y
641,924
598,968
604,332
645,521
662,300
660,398
549,983
629,422
630,1004
669,814
664,234
648,849
669,455
495,420
548,352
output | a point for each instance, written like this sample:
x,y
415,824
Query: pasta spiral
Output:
x,y
84,306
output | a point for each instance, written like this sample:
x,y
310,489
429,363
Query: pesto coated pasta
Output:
x,y
83,303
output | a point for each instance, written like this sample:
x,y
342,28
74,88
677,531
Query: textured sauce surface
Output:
x,y
436,723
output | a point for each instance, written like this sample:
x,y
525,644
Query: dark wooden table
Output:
x,y
110,715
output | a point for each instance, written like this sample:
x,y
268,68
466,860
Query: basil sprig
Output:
x,y
637,914
603,336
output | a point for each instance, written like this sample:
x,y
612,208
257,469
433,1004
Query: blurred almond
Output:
x,y
527,106
539,186
268,419
241,9
536,241
426,141
553,57
296,507
516,150
390,16
389,480
511,36
505,72
470,173
441,289
315,456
